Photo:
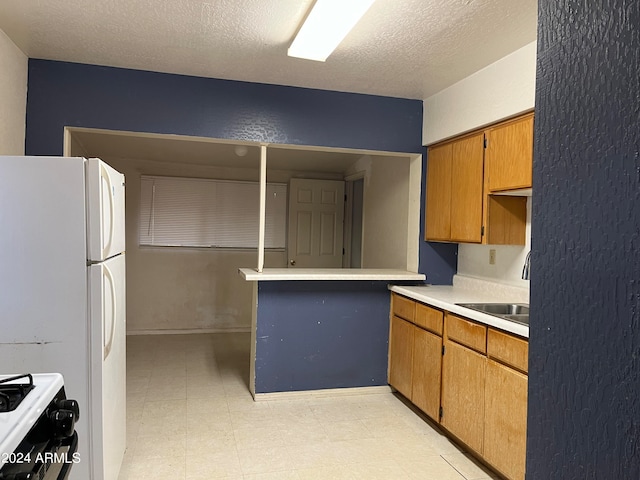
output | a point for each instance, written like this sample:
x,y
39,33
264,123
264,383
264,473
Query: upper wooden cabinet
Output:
x,y
465,174
454,191
466,189
509,154
438,208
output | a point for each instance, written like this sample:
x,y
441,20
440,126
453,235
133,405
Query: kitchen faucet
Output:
x,y
527,267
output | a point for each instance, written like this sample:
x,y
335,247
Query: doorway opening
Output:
x,y
354,218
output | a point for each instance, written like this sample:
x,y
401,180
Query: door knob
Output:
x,y
292,262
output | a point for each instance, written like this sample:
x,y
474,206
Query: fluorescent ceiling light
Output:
x,y
326,26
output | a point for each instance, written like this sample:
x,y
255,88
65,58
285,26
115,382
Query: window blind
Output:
x,y
195,212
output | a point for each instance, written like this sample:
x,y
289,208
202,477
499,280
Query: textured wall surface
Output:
x,y
584,364
316,335
13,97
113,98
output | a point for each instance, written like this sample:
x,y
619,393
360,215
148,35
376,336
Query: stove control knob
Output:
x,y
70,405
63,423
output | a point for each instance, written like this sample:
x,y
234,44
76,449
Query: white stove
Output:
x,y
37,427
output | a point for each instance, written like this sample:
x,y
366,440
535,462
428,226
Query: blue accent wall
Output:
x,y
316,334
584,356
69,94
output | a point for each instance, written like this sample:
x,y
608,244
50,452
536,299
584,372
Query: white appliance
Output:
x,y
37,427
62,292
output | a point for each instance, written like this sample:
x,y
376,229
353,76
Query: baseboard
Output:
x,y
190,331
328,392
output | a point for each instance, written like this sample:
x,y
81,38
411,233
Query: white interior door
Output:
x,y
316,216
108,368
105,210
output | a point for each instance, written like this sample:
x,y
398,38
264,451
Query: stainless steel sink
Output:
x,y
522,318
516,312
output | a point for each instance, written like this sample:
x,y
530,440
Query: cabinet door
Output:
x,y
401,355
438,195
505,433
427,369
467,169
509,155
463,379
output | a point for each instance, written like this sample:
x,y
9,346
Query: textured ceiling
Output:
x,y
401,48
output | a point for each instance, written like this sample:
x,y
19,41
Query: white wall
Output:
x,y
13,97
500,90
473,260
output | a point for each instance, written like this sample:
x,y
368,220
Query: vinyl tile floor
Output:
x,y
190,416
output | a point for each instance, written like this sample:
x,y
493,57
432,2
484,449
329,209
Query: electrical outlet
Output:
x,y
492,256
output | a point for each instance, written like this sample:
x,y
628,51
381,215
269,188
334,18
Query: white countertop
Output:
x,y
446,297
279,274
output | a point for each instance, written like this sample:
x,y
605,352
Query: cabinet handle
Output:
x,y
292,262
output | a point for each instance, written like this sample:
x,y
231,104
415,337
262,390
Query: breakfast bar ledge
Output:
x,y
281,274
320,329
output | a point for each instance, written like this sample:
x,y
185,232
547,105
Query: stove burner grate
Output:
x,y
11,394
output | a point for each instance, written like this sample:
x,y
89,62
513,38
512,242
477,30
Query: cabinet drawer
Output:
x,y
510,350
467,333
429,318
403,307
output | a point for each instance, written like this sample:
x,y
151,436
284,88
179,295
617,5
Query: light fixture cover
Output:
x,y
326,26
241,150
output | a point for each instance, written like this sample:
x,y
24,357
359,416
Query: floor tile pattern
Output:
x,y
190,416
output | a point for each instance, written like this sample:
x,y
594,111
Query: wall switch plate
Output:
x,y
492,256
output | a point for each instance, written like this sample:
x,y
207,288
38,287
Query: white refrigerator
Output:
x,y
62,292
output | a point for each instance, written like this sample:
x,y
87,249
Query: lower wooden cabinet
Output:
x,y
463,383
427,372
475,387
505,420
415,353
401,355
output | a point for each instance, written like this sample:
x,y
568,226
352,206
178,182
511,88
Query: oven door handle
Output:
x,y
72,442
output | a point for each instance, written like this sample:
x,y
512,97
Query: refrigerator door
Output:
x,y
43,278
108,366
42,250
105,211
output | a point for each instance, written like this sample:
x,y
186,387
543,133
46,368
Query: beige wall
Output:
x,y
386,211
13,97
200,289
185,288
192,289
